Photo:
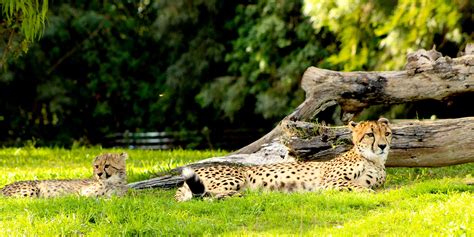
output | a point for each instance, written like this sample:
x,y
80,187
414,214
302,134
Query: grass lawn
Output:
x,y
414,202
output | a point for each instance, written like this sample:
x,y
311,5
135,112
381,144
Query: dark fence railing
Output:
x,y
229,139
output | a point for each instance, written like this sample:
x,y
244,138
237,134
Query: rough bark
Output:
x,y
427,75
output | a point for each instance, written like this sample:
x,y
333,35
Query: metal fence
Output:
x,y
230,139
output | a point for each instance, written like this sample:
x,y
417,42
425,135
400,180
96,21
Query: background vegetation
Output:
x,y
413,202
192,65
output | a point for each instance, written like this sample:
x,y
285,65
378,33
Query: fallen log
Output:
x,y
427,75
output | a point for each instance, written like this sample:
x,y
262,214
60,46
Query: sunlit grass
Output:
x,y
421,201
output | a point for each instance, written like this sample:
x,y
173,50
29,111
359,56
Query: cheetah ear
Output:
x,y
383,120
124,155
352,124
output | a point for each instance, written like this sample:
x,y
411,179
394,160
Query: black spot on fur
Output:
x,y
370,176
268,174
287,177
276,176
347,178
368,182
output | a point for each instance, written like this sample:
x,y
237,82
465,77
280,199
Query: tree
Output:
x,y
388,30
275,43
23,22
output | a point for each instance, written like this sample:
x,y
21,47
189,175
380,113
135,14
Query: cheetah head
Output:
x,y
372,139
110,167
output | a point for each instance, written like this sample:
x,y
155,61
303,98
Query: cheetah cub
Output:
x,y
109,179
361,168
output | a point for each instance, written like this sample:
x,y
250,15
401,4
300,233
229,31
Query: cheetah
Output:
x,y
109,179
361,169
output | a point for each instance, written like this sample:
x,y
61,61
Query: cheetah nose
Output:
x,y
382,146
99,174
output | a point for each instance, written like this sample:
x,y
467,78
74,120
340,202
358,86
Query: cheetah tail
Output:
x,y
193,181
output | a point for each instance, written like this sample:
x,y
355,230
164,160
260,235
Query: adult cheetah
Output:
x,y
361,168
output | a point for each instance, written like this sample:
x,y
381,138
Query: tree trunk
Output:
x,y
427,75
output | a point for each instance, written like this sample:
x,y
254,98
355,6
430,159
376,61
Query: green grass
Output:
x,y
420,202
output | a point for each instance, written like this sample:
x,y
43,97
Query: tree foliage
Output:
x,y
274,45
110,66
377,35
23,22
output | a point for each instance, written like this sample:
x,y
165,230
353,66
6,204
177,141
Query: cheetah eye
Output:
x,y
387,134
96,166
106,166
370,134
